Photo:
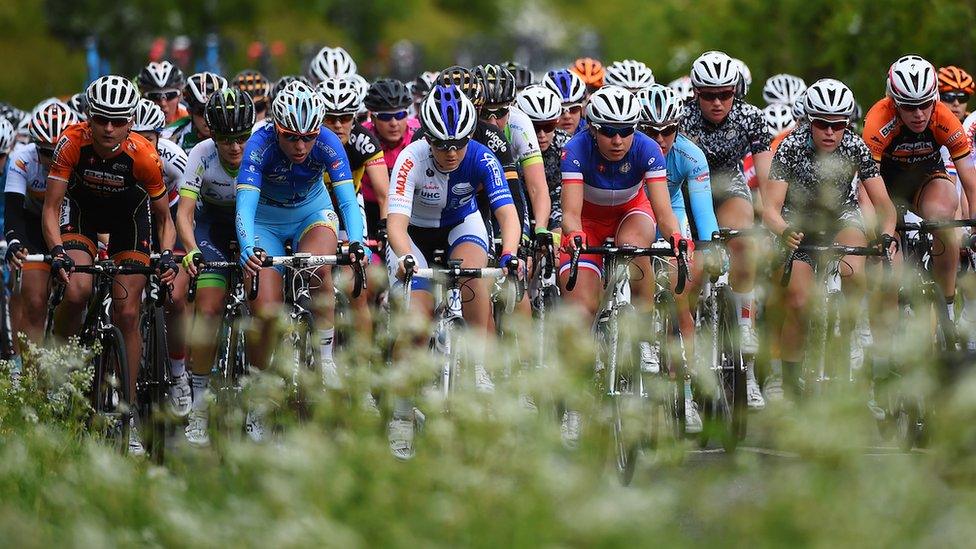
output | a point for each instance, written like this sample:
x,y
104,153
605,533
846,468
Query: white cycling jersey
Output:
x,y
521,134
174,164
208,180
27,176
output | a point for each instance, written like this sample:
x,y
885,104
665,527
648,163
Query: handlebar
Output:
x,y
879,248
191,294
350,255
659,249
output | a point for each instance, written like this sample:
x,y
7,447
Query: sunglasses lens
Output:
x,y
449,144
949,97
387,116
616,131
574,110
104,120
338,118
545,127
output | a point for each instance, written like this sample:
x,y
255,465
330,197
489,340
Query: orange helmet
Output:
x,y
953,78
590,70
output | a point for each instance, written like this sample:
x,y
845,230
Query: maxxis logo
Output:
x,y
401,178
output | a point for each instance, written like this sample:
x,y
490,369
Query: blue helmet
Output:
x,y
567,84
447,113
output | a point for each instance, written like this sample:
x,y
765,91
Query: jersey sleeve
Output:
x,y
256,154
337,166
867,167
949,132
66,156
403,183
17,173
524,140
493,181
571,164
193,174
174,163
148,170
699,187
656,168
879,126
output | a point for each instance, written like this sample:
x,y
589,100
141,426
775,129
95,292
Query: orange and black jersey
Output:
x,y
132,171
900,150
363,150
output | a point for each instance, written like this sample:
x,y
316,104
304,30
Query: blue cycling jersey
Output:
x,y
432,198
268,180
612,183
690,187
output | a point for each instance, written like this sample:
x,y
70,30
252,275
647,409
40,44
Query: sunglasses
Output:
x,y
919,107
712,96
232,139
666,131
607,130
822,124
295,137
339,118
573,109
46,152
544,127
161,95
444,145
488,114
949,97
105,120
387,116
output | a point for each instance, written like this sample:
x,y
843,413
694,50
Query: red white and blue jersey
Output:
x,y
607,183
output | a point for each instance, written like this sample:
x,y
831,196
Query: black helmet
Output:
x,y
284,81
230,112
200,86
523,76
160,76
498,83
254,83
387,94
465,79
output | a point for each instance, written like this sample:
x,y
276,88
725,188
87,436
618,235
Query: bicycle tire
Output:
x,y
227,375
673,363
725,412
110,397
153,386
7,337
627,411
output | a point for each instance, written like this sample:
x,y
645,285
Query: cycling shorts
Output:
x,y
426,242
601,223
275,225
214,238
905,186
130,231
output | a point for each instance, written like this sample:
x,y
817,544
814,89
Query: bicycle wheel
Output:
x,y
110,397
725,411
627,412
153,386
227,377
674,369
7,336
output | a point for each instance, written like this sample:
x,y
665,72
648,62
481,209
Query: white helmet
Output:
x,y
829,97
200,86
745,78
567,85
660,105
160,76
912,81
7,135
683,86
112,96
783,88
341,95
779,117
613,105
298,108
331,63
149,117
714,69
799,110
539,103
49,121
629,74
446,113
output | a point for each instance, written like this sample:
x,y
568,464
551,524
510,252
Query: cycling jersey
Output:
x,y
432,198
108,195
822,188
26,178
521,134
691,189
909,160
552,162
278,200
183,133
363,149
174,164
208,181
726,144
390,152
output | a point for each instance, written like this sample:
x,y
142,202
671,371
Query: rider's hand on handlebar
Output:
x,y
509,262
676,240
16,253
167,267
61,264
255,260
569,240
401,271
190,261
792,238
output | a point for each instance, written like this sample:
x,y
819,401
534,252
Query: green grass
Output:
x,y
491,474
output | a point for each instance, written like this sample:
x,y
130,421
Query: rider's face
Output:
x,y
449,160
200,124
613,148
231,149
109,133
715,103
298,150
916,117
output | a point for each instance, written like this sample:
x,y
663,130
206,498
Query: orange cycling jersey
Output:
x,y
899,149
133,167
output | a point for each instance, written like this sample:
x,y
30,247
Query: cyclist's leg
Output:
x,y
589,286
126,308
468,241
937,200
736,212
317,236
81,249
637,228
211,295
794,324
262,338
34,290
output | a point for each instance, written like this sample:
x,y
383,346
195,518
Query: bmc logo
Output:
x,y
402,173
